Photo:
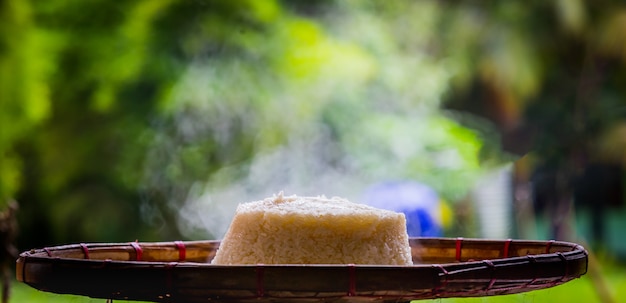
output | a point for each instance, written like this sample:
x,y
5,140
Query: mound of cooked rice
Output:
x,y
314,230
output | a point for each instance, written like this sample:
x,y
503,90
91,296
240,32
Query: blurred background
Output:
x,y
151,120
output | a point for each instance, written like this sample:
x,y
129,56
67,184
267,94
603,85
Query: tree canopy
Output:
x,y
148,119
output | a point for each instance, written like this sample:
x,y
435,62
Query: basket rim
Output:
x,y
559,263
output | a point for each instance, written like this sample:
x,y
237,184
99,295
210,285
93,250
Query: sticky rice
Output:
x,y
314,230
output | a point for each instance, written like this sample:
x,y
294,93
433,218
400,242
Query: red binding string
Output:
x,y
85,250
48,252
565,267
548,246
351,280
26,257
459,241
443,284
532,261
138,251
260,282
182,250
168,274
493,274
507,244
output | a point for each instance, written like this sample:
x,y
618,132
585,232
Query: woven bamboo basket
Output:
x,y
180,272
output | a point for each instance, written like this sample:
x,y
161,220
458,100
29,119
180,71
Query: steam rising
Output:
x,y
329,135
307,161
301,167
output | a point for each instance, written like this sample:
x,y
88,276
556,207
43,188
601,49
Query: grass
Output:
x,y
579,290
23,293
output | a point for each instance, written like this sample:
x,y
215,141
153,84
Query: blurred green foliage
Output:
x,y
115,115
112,111
149,119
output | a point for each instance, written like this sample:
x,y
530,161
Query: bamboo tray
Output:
x,y
180,272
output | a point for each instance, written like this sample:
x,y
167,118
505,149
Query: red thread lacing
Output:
x,y
443,284
182,250
138,251
458,248
24,268
260,283
548,246
48,252
168,274
493,278
507,244
85,249
532,261
351,280
565,267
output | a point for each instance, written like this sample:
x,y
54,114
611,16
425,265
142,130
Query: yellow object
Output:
x,y
446,214
314,230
